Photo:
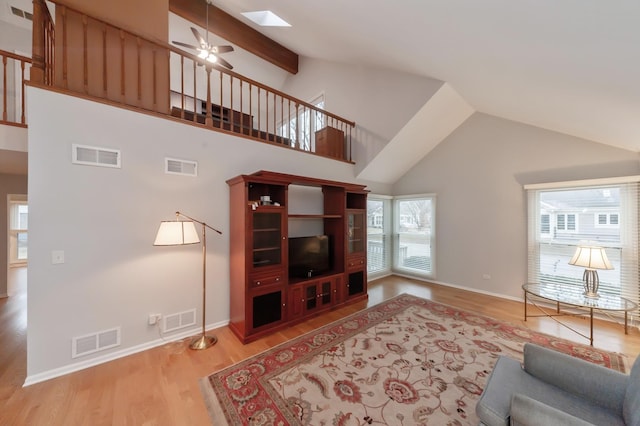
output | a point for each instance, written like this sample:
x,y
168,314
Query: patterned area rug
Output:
x,y
406,361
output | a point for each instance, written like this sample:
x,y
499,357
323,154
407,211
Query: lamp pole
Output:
x,y
204,341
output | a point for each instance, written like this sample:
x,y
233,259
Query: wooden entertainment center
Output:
x,y
264,297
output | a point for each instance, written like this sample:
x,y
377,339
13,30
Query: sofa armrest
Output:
x,y
602,386
527,411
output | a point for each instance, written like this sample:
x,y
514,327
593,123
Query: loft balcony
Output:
x,y
85,56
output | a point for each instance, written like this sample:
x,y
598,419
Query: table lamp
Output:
x,y
592,258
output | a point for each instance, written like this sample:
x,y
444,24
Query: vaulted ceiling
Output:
x,y
569,66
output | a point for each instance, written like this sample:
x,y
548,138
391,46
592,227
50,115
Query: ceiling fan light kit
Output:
x,y
205,50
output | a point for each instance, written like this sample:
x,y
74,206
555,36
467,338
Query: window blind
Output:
x,y
598,213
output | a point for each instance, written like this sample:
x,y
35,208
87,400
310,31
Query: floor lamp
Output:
x,y
179,232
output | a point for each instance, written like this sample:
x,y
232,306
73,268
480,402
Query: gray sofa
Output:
x,y
552,388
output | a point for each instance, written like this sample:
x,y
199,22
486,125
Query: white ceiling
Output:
x,y
572,66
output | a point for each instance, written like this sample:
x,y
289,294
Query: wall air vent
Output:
x,y
95,342
21,13
95,156
174,166
179,320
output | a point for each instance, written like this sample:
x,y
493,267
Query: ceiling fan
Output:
x,y
205,50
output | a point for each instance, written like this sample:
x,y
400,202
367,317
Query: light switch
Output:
x,y
57,257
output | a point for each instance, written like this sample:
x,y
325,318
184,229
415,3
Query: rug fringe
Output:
x,y
211,401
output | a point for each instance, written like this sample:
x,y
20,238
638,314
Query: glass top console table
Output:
x,y
572,296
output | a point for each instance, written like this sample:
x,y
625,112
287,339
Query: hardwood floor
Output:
x,y
160,386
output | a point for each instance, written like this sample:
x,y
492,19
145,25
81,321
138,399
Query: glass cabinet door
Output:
x,y
355,232
267,239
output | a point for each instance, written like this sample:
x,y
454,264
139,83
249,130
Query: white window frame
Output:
x,y
12,231
566,222
629,219
596,220
397,234
386,220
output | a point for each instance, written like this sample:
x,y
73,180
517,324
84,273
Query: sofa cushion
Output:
x,y
508,378
631,407
600,385
526,411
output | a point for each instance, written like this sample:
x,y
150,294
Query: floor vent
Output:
x,y
173,166
95,342
179,320
95,156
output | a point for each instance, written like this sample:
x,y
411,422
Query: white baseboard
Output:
x,y
71,368
461,287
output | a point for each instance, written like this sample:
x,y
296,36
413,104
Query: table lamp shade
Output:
x,y
591,257
175,233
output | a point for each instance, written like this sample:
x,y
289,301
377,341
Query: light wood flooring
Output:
x,y
160,386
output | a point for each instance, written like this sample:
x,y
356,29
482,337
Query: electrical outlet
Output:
x,y
154,318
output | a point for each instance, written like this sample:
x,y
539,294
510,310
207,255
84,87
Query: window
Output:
x,y
566,222
604,213
308,121
606,220
545,225
414,246
18,225
378,230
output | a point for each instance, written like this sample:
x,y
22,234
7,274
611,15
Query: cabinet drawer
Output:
x,y
356,262
266,280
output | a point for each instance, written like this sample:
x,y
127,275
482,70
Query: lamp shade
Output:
x,y
591,257
176,233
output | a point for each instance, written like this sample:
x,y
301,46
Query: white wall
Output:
x,y
380,101
478,173
13,38
105,221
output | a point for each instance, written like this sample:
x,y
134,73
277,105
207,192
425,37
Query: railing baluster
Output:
x,y
23,118
220,106
259,126
139,70
155,81
208,120
297,118
4,88
122,67
104,61
85,55
182,87
65,50
231,114
195,107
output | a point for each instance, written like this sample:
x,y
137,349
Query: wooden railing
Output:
x,y
95,58
15,71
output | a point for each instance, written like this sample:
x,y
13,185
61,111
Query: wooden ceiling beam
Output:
x,y
236,32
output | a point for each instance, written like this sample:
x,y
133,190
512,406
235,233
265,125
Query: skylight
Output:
x,y
266,18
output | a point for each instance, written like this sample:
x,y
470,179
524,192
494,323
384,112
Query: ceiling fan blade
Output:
x,y
201,40
224,63
222,49
189,46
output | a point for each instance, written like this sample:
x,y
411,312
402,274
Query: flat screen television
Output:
x,y
309,256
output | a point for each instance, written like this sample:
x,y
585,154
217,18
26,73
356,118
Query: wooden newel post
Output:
x,y
39,42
